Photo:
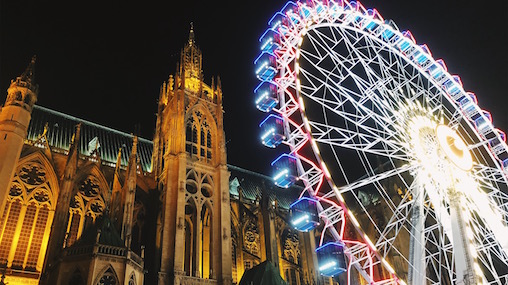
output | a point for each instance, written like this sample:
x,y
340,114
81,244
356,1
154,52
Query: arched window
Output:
x,y
199,233
132,280
190,258
85,207
25,223
199,138
206,241
108,278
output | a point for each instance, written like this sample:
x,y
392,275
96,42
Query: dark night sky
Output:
x,y
105,61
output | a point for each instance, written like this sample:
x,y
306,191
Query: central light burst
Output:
x,y
439,154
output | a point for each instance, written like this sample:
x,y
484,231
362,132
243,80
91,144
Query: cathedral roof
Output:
x,y
252,185
61,129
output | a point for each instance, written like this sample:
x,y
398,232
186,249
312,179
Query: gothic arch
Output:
x,y
107,274
290,245
132,279
191,225
251,237
207,185
206,239
90,197
50,176
26,220
205,111
201,133
93,169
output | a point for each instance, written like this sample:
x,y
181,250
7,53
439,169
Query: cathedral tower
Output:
x,y
189,160
14,119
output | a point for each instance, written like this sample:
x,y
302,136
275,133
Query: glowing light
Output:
x,y
280,174
325,169
263,65
269,132
353,219
454,147
300,102
327,265
303,218
371,244
388,266
263,96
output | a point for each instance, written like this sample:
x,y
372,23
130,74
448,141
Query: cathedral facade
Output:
x,y
81,203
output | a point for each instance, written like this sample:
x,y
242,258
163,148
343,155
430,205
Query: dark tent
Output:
x,y
262,274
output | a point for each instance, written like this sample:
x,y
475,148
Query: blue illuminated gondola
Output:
x,y
266,96
266,66
272,131
285,173
331,260
270,40
303,214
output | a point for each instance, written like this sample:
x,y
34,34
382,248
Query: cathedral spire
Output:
x,y
191,59
191,34
28,75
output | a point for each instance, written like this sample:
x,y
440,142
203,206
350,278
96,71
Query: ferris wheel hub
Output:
x,y
454,147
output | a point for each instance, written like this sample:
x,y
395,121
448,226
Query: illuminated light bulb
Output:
x,y
314,146
388,266
353,219
371,244
327,265
300,219
267,133
469,233
325,169
306,124
474,254
263,96
477,268
261,67
300,102
280,174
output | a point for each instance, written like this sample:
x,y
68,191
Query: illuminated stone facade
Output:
x,y
86,204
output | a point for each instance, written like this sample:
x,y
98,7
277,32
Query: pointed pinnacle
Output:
x,y
191,34
29,73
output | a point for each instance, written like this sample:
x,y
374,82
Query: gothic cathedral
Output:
x,y
81,203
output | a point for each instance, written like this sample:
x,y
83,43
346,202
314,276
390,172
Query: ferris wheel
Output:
x,y
385,141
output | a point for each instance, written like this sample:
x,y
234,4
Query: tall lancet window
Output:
x,y
25,223
199,138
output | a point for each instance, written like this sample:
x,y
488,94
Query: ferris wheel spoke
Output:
x,y
394,225
350,139
338,98
370,180
487,250
488,173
